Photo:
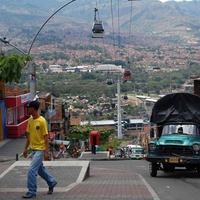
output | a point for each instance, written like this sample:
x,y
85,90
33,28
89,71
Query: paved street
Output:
x,y
71,175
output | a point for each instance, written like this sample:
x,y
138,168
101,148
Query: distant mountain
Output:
x,y
174,21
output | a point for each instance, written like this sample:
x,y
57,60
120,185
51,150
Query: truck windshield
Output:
x,y
180,129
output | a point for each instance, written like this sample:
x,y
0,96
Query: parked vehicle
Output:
x,y
134,151
177,141
118,153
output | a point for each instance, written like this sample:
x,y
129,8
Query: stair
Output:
x,y
98,156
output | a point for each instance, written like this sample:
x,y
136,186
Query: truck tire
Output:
x,y
153,169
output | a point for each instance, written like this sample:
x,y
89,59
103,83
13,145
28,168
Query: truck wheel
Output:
x,y
153,169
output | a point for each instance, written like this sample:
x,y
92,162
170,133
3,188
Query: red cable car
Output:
x,y
127,74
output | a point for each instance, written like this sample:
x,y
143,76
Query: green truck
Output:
x,y
175,134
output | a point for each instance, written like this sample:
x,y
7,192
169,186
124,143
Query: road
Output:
x,y
168,186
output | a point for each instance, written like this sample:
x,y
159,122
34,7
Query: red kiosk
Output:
x,y
94,140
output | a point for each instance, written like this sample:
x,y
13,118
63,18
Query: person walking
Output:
x,y
62,150
37,138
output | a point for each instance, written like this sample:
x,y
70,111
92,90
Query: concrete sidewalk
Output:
x,y
102,183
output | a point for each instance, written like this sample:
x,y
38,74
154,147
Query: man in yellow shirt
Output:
x,y
37,139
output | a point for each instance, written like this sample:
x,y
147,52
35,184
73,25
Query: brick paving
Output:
x,y
102,184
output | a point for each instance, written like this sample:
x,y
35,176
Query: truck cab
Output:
x,y
175,134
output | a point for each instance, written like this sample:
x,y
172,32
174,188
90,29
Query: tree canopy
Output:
x,y
11,67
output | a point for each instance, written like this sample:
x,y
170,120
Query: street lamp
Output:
x,y
170,78
33,65
7,42
32,74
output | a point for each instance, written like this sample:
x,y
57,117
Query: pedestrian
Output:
x,y
75,153
62,150
110,151
37,138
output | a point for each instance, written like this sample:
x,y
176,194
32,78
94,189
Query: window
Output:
x,y
21,111
10,115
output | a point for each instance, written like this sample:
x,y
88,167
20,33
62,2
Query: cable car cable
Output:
x,y
95,18
130,23
114,54
119,45
97,9
127,72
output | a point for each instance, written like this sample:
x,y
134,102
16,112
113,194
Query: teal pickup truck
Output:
x,y
175,138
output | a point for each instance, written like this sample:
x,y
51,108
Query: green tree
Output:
x,y
82,132
11,67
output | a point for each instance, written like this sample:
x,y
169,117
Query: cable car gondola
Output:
x,y
125,97
113,102
109,81
97,29
127,74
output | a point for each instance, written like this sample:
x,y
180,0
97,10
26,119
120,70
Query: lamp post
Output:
x,y
33,65
170,78
32,70
7,42
32,74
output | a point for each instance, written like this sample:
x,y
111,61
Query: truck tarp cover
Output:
x,y
177,107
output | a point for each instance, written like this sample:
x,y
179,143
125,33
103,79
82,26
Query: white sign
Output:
x,y
25,98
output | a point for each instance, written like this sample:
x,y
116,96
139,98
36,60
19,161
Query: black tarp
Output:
x,y
177,107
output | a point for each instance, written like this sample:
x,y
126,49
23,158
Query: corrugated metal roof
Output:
x,y
109,122
135,121
99,123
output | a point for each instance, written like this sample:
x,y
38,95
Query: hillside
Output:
x,y
173,21
137,33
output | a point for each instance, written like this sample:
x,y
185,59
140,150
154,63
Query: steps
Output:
x,y
98,156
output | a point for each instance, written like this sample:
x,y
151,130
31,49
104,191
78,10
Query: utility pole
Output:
x,y
32,68
119,110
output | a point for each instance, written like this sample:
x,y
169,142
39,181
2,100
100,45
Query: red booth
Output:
x,y
94,140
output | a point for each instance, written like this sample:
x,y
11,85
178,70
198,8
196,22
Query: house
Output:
x,y
2,112
15,114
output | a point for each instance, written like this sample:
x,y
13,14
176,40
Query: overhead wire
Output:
x,y
97,9
119,37
96,6
113,31
129,36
